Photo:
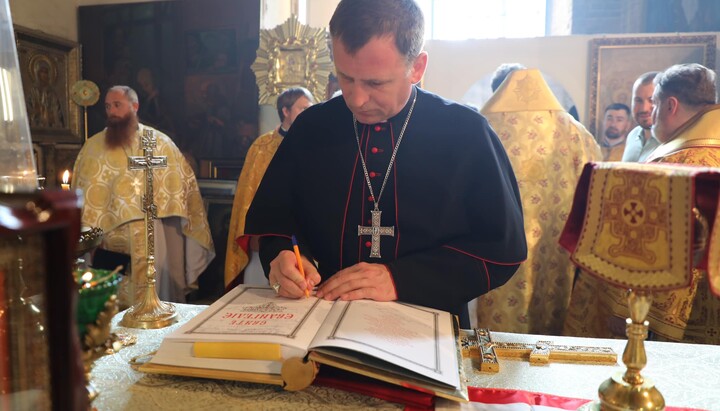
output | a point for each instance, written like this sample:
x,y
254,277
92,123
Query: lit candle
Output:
x,y
66,180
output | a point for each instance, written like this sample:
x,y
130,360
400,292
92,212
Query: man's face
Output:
x,y
662,128
642,105
298,107
616,124
118,107
376,81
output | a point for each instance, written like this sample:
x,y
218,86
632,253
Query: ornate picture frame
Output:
x,y
49,66
292,54
616,62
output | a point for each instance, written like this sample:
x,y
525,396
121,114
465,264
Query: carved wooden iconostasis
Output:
x,y
189,61
49,66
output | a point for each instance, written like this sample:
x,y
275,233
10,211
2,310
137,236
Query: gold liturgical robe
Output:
x,y
690,313
547,149
256,162
613,153
113,202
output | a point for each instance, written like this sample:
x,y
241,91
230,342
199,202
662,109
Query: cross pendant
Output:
x,y
375,231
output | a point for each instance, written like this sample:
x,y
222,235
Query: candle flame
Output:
x,y
66,177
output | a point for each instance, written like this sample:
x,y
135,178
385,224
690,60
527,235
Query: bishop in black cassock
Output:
x,y
451,199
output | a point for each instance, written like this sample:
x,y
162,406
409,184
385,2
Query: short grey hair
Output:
x,y
692,84
502,72
127,91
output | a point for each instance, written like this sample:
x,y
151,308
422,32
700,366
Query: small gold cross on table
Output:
x,y
539,353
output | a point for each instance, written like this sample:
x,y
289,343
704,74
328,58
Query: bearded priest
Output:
x,y
113,202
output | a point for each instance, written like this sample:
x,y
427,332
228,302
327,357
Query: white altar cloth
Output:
x,y
686,374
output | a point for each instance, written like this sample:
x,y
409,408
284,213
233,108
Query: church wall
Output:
x,y
453,66
56,17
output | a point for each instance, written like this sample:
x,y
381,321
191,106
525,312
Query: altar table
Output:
x,y
688,375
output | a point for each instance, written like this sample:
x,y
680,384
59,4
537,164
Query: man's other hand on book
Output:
x,y
360,281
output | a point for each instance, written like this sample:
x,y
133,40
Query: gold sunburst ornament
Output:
x,y
290,55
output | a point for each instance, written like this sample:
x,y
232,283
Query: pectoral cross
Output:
x,y
375,231
539,353
148,162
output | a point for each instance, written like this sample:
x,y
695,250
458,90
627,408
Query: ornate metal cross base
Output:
x,y
540,353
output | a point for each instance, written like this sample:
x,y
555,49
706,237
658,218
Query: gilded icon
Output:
x,y
292,54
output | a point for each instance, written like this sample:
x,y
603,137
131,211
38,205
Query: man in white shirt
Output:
x,y
640,142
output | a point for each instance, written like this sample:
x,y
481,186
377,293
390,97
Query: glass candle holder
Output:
x,y
95,286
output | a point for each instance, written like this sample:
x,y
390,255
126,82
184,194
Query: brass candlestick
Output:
x,y
149,312
630,390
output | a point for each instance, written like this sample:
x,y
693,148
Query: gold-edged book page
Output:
x,y
152,368
400,378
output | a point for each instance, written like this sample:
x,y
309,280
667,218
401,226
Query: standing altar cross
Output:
x,y
148,162
149,311
375,231
539,353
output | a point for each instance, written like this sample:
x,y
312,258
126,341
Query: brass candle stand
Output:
x,y
149,312
629,390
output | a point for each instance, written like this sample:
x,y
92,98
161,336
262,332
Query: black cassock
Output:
x,y
451,197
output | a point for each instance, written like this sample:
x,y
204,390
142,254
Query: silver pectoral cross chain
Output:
x,y
375,231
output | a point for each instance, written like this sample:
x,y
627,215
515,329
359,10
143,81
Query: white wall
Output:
x,y
453,66
456,65
56,17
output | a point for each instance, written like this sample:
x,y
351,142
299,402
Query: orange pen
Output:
x,y
299,263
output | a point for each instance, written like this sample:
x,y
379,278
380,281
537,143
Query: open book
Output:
x,y
250,334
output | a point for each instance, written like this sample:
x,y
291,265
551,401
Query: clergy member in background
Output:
x,y
616,124
290,103
393,193
640,141
686,121
113,202
547,149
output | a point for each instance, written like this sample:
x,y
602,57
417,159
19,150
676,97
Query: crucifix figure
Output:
x,y
539,353
149,311
375,231
148,162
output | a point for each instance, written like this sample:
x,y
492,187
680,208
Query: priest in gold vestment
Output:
x,y
290,103
113,201
686,121
547,149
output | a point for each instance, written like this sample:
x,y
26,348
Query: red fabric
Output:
x,y
573,226
243,242
503,396
346,381
421,401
